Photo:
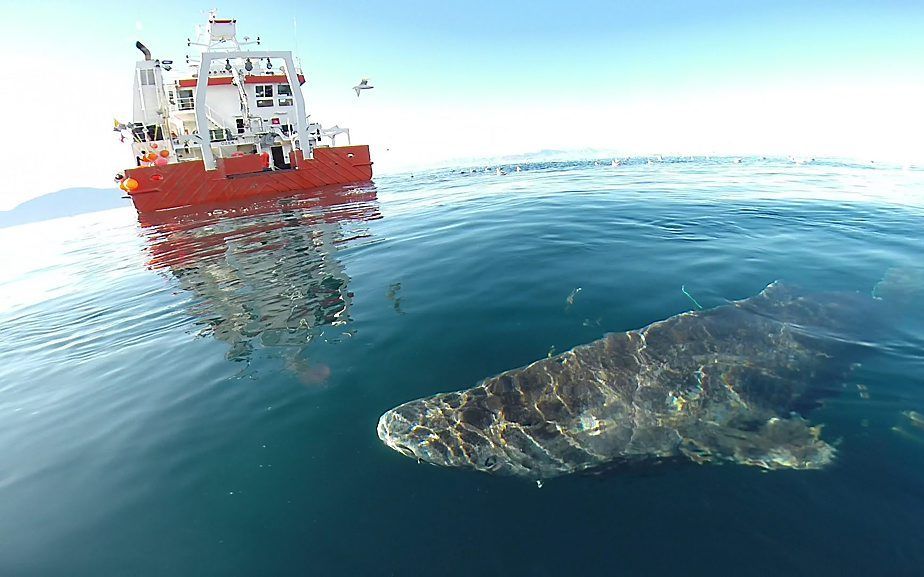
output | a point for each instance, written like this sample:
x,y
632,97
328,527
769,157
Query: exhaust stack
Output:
x,y
144,50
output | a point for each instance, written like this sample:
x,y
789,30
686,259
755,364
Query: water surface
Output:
x,y
197,394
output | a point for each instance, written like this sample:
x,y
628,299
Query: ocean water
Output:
x,y
197,393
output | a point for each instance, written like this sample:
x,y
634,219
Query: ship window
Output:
x,y
217,134
147,77
240,125
284,90
264,90
185,99
264,102
285,102
286,129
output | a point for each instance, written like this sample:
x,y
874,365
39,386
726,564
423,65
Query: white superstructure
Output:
x,y
227,101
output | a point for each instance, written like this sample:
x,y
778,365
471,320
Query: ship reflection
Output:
x,y
267,275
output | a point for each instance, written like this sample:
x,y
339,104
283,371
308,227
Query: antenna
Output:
x,y
295,24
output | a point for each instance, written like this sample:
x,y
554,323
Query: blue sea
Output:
x,y
196,392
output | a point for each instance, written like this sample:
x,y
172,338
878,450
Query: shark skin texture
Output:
x,y
716,385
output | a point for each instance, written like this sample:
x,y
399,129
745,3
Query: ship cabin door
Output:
x,y
279,158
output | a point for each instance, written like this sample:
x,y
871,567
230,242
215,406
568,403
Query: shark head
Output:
x,y
447,430
510,424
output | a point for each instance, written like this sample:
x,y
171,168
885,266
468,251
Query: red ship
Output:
x,y
232,125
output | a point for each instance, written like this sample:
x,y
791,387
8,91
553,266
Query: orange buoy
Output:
x,y
165,153
129,184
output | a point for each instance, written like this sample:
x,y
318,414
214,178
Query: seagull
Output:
x,y
363,85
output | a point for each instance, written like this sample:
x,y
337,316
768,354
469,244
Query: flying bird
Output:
x,y
363,85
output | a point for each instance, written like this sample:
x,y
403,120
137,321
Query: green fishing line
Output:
x,y
683,289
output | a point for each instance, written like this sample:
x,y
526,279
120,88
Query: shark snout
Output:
x,y
392,431
421,430
402,430
443,431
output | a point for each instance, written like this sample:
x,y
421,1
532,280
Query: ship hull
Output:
x,y
188,183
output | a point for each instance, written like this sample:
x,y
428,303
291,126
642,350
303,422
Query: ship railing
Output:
x,y
216,118
189,104
333,132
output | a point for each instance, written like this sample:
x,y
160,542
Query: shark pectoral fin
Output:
x,y
903,285
778,443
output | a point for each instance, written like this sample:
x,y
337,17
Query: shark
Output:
x,y
732,383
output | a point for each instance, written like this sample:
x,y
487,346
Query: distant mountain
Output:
x,y
67,202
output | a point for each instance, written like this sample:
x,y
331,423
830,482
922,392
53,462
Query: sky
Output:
x,y
462,80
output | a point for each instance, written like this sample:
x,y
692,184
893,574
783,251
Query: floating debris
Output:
x,y
915,418
916,437
393,295
863,391
551,352
538,483
569,302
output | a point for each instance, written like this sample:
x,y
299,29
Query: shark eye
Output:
x,y
490,461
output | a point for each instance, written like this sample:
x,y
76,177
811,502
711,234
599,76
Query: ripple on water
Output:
x,y
196,392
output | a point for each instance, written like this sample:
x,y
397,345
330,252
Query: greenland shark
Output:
x,y
723,384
